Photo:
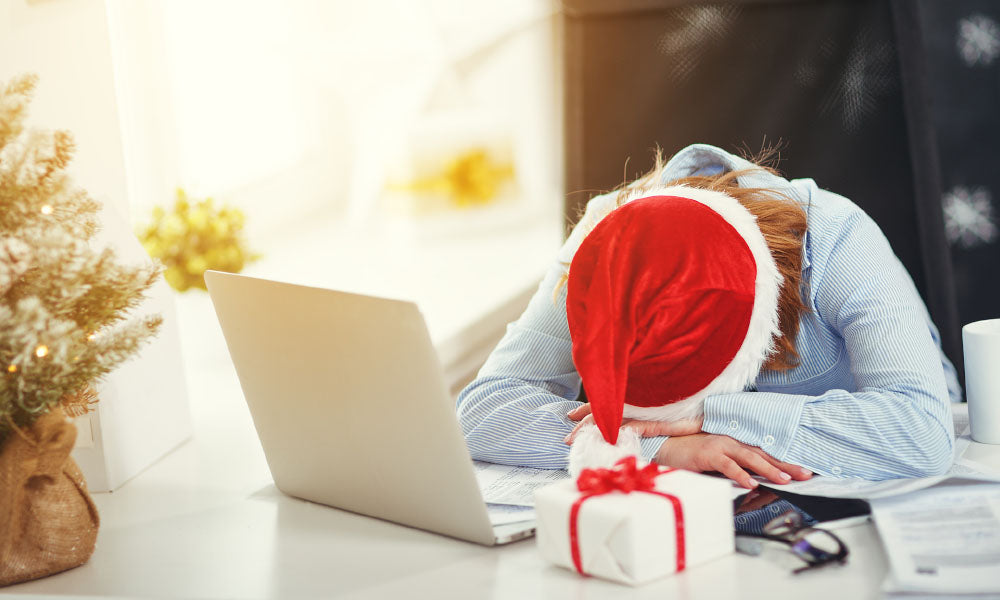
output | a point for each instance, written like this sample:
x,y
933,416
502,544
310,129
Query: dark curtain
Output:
x,y
844,89
962,40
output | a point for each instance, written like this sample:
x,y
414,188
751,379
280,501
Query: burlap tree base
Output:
x,y
48,522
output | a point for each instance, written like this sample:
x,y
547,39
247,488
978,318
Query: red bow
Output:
x,y
625,477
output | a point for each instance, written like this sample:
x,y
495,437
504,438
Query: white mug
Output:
x,y
981,344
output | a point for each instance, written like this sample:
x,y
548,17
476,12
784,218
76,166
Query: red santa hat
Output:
x,y
672,297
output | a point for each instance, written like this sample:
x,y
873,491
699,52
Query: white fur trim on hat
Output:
x,y
590,451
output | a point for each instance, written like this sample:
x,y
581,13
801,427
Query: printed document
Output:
x,y
513,486
503,514
945,539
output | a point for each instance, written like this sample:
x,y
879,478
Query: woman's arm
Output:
x,y
515,411
898,421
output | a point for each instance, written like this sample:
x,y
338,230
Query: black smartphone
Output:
x,y
753,510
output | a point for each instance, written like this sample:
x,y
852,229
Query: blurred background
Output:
x,y
294,110
405,148
891,103
438,150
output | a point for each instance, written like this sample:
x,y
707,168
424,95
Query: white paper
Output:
x,y
502,484
832,487
966,466
503,514
942,539
960,415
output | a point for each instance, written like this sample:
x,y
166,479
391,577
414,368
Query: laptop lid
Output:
x,y
350,404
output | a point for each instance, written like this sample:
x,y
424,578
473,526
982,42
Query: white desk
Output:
x,y
207,522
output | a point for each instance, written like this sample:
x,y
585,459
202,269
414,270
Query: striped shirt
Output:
x,y
869,397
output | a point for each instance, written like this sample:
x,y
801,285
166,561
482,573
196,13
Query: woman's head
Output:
x,y
783,224
682,291
781,221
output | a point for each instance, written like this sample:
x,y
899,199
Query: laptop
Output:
x,y
350,403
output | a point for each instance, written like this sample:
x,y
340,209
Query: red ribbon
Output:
x,y
625,478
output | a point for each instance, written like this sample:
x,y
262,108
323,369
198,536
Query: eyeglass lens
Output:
x,y
814,546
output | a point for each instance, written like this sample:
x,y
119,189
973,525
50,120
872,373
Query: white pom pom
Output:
x,y
590,451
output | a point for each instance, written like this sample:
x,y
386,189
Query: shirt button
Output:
x,y
775,509
768,440
836,470
734,424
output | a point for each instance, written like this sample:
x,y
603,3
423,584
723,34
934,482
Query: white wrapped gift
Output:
x,y
633,537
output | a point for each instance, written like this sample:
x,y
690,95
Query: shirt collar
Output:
x,y
708,159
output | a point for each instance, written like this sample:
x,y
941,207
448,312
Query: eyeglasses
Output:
x,y
817,547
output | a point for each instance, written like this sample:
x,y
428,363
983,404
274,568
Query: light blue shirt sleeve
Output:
x,y
897,421
514,412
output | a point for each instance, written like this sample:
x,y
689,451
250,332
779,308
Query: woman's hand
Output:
x,y
689,448
712,452
643,428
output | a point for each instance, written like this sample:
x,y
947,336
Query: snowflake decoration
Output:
x,y
868,74
699,28
865,73
978,40
968,217
808,71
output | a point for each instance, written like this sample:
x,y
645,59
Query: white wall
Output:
x,y
146,113
66,43
296,110
293,110
121,154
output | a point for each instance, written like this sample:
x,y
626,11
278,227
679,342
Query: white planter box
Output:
x,y
142,412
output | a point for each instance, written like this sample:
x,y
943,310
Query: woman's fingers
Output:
x,y
579,412
798,473
709,452
732,458
728,456
643,428
761,466
671,428
743,459
730,468
572,434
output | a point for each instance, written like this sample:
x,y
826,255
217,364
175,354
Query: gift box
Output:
x,y
634,525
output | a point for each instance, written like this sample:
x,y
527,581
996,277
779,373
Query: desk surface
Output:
x,y
207,522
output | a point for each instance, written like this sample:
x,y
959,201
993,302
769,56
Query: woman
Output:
x,y
859,387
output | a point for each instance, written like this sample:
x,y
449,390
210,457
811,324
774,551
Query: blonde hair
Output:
x,y
781,221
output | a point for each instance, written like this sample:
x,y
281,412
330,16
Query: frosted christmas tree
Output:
x,y
64,306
